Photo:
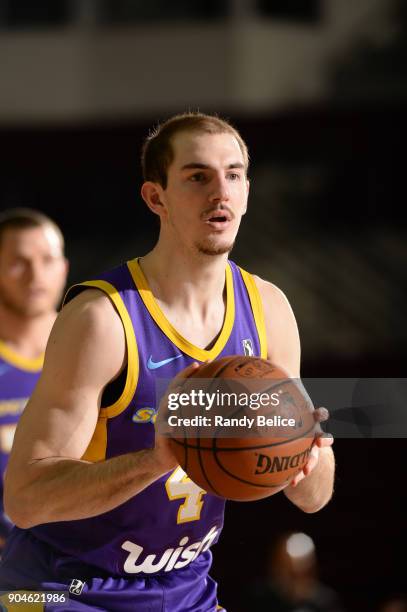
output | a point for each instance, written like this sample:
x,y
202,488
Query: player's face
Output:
x,y
32,270
207,191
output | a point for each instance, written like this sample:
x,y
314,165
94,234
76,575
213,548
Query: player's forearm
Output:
x,y
65,489
314,492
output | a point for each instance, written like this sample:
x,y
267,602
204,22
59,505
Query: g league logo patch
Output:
x,y
248,347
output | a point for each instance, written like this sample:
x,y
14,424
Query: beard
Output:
x,y
212,250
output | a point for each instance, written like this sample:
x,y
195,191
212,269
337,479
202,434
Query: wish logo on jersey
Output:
x,y
171,558
145,415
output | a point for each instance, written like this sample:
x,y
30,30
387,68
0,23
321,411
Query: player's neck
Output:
x,y
176,277
26,336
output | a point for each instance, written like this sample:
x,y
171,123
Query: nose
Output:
x,y
220,189
33,271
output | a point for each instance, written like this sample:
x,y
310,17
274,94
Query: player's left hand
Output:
x,y
321,440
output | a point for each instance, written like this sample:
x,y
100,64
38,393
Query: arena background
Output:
x,y
318,90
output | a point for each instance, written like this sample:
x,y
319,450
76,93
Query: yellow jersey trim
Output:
x,y
132,353
258,310
23,363
167,328
96,450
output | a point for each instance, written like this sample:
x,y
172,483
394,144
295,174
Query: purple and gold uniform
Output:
x,y
154,547
18,377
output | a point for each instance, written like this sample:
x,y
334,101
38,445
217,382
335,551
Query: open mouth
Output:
x,y
222,219
218,218
217,223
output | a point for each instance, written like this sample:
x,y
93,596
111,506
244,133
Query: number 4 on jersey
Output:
x,y
179,486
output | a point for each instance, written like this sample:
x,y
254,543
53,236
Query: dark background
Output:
x,y
326,223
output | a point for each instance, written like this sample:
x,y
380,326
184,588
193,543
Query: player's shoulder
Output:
x,y
88,300
283,340
88,335
90,310
271,295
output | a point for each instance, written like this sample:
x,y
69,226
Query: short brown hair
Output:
x,y
23,218
157,152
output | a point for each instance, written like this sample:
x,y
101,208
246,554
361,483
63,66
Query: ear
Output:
x,y
66,267
151,194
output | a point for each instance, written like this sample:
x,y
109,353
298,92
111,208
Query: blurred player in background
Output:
x,y
104,509
32,277
292,582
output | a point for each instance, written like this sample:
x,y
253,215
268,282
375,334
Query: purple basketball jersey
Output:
x,y
18,377
172,522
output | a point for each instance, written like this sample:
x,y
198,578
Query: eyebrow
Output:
x,y
197,165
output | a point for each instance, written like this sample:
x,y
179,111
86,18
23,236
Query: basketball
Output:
x,y
260,460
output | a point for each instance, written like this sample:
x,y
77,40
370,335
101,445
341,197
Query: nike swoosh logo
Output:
x,y
153,365
4,369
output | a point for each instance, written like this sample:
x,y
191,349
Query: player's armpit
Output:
x,y
283,341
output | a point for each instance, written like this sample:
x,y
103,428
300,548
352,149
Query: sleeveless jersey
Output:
x,y
18,377
172,521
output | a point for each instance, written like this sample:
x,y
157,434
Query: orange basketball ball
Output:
x,y
264,460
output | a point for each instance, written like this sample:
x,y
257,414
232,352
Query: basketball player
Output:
x,y
101,506
32,276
